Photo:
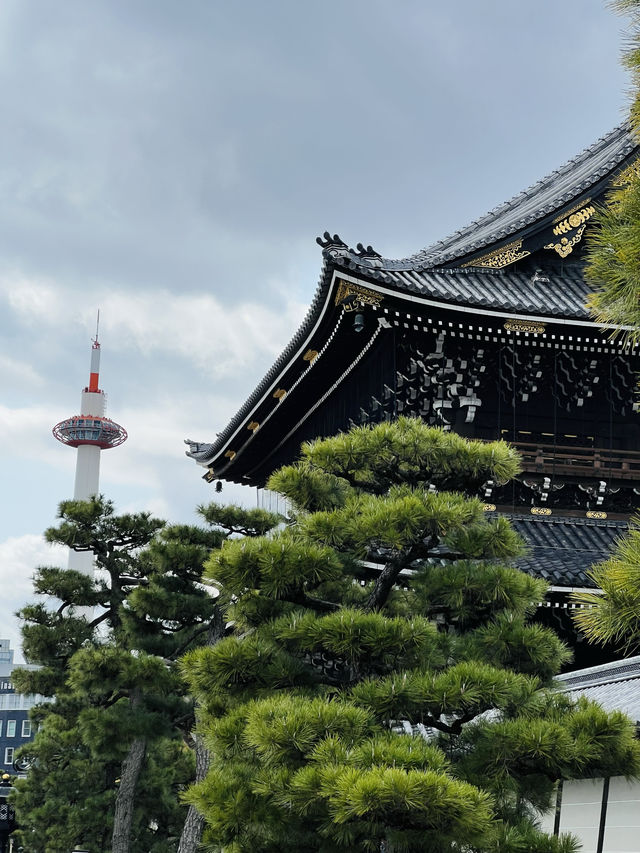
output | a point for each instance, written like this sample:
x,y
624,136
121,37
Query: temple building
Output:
x,y
485,333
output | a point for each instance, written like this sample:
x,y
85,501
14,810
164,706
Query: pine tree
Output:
x,y
612,248
382,688
234,521
110,757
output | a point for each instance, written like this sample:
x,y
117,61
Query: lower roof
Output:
x,y
615,686
562,550
552,294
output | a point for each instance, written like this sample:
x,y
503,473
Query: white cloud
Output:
x,y
19,557
26,432
216,338
18,373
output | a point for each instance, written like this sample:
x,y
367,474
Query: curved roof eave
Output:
x,y
205,453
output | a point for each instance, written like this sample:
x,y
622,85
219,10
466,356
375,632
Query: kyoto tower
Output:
x,y
89,432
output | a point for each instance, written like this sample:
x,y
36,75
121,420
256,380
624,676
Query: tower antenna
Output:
x,y
97,325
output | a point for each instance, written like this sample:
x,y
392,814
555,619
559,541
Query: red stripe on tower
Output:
x,y
95,367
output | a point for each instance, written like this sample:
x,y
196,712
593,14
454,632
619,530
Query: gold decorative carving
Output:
x,y
570,210
540,510
499,258
565,246
574,219
363,296
253,426
280,393
230,454
310,355
489,507
592,513
524,326
209,476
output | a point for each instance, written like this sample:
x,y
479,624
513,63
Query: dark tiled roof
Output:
x,y
616,686
508,290
562,550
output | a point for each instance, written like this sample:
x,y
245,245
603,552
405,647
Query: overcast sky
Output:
x,y
171,164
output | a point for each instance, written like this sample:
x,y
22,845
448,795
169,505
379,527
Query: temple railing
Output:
x,y
598,462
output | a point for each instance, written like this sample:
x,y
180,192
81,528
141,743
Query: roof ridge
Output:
x,y
620,140
606,673
492,214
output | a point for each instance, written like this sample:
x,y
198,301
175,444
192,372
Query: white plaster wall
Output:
x,y
580,815
580,812
622,829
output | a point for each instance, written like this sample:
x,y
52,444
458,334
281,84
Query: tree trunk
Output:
x,y
125,801
193,828
194,823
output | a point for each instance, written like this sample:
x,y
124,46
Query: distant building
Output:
x,y
15,727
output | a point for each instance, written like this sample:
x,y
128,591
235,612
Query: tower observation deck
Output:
x,y
89,432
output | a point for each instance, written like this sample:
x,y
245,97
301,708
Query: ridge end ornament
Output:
x,y
354,296
501,257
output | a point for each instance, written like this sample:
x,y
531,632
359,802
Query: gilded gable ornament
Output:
x,y
353,296
565,246
500,258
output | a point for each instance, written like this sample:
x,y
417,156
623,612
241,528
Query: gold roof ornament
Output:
x,y
524,326
500,258
565,246
573,219
354,296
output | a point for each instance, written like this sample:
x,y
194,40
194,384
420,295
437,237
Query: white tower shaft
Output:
x,y
87,482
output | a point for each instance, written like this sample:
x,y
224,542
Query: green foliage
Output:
x,y
508,641
374,458
613,616
382,686
447,699
112,675
467,593
279,566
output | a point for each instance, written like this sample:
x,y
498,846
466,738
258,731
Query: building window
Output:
x,y
26,728
11,728
8,755
0,728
